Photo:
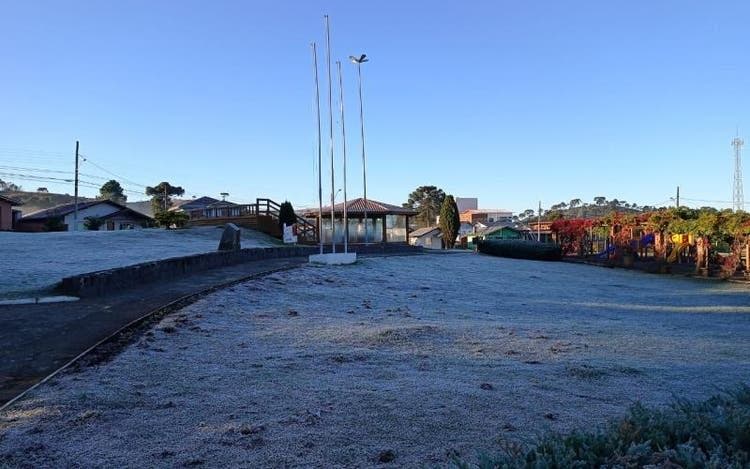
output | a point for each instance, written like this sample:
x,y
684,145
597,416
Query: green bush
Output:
x,y
713,433
93,223
54,224
520,249
171,220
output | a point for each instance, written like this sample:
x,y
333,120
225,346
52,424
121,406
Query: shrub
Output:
x,y
520,249
93,223
712,433
171,220
54,224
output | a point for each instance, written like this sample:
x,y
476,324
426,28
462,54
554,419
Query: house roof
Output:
x,y
66,209
357,206
488,210
9,200
195,204
498,226
423,231
129,212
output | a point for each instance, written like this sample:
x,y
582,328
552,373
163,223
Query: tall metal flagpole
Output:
x,y
359,62
320,150
343,149
330,128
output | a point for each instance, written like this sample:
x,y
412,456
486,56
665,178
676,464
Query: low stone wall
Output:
x,y
108,281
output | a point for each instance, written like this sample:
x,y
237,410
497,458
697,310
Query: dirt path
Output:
x,y
38,339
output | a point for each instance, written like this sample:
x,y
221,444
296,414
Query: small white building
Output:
x,y
428,238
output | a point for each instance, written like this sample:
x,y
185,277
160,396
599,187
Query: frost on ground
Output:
x,y
35,261
401,361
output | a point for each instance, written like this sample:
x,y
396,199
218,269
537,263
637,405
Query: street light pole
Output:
x,y
359,61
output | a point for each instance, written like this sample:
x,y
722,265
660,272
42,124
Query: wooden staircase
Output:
x,y
263,216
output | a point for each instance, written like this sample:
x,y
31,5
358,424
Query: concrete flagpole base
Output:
x,y
339,258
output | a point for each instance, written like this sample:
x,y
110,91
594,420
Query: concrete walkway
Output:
x,y
37,339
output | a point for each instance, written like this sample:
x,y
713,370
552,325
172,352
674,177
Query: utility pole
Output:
x,y
539,223
75,212
677,199
165,197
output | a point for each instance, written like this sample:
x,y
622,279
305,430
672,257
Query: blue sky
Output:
x,y
508,101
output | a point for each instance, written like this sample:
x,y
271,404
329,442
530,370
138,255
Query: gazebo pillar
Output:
x,y
385,230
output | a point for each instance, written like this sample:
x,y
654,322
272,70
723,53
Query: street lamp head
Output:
x,y
359,60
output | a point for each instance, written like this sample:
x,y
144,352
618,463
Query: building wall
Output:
x,y
6,216
428,242
467,203
96,211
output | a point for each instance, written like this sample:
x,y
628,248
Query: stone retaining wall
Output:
x,y
108,281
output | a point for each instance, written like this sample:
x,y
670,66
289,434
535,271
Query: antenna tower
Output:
x,y
738,199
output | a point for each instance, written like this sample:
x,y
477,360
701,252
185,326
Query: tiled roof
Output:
x,y
9,200
65,209
357,206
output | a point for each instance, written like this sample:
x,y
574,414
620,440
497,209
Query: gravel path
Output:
x,y
416,359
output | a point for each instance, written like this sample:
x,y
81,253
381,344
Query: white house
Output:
x,y
428,238
113,216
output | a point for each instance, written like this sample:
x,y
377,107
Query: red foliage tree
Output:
x,y
572,235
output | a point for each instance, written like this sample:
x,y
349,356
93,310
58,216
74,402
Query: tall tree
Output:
x,y
574,203
600,200
161,196
449,221
427,200
112,190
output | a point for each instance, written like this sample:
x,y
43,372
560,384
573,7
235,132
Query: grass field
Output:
x,y
393,362
33,262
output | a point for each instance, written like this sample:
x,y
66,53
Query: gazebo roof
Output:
x,y
357,206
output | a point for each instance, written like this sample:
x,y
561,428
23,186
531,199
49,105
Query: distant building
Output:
x,y
8,216
113,215
503,230
196,204
467,203
485,215
428,238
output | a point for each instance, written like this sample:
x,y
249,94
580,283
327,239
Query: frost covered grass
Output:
x,y
32,262
712,433
401,361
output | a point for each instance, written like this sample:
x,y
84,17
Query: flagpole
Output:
x,y
320,151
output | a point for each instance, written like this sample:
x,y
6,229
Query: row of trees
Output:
x,y
714,231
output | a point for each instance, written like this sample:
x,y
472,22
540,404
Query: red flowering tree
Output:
x,y
572,235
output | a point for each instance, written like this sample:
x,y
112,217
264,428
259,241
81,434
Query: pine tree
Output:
x,y
449,221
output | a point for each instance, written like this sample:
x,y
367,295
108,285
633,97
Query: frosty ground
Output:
x,y
422,358
31,262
